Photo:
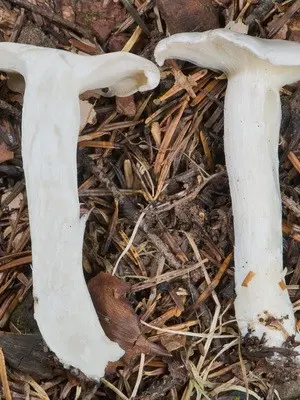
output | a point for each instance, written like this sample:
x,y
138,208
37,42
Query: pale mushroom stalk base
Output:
x,y
256,69
50,125
251,135
63,308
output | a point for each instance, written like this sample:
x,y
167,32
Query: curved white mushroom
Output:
x,y
256,69
54,79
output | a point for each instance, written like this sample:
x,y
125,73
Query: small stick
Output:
x,y
276,25
129,243
294,160
214,283
16,263
3,375
135,15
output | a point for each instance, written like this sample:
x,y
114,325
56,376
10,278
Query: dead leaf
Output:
x,y
117,317
87,114
115,313
5,154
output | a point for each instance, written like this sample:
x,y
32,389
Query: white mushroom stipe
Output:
x,y
256,69
50,125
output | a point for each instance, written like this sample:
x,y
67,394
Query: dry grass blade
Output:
x,y
138,222
114,389
166,277
133,39
191,334
139,377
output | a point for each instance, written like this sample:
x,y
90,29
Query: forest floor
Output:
x,y
151,171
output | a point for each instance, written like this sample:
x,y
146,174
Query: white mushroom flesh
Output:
x,y
256,69
50,125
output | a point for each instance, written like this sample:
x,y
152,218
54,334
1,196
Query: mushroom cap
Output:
x,y
122,73
223,49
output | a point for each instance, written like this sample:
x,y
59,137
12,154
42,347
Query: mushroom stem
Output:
x,y
256,69
50,126
251,132
66,317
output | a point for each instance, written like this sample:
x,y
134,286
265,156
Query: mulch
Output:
x,y
151,171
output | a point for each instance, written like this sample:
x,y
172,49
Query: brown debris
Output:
x,y
31,34
278,23
294,29
214,283
3,377
5,153
117,42
7,20
126,106
117,317
189,15
49,14
67,10
173,342
160,156
100,19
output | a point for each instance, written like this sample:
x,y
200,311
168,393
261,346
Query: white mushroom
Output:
x,y
256,69
54,79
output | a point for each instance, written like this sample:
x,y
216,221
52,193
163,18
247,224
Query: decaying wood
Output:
x,y
28,354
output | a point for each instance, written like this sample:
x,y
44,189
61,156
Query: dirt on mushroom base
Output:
x,y
181,222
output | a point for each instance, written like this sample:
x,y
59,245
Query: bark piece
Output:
x,y
32,35
189,15
26,354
